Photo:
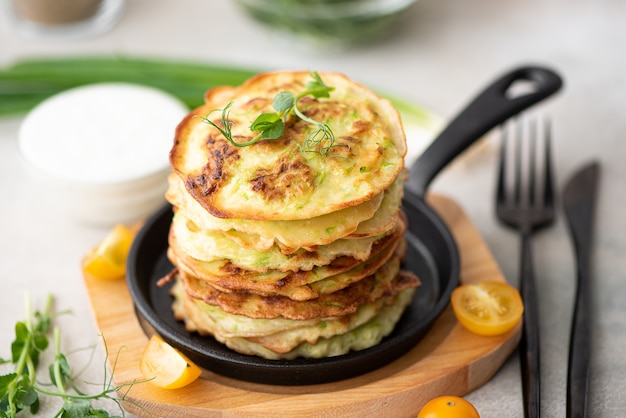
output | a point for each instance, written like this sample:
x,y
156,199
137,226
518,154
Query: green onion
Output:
x,y
26,83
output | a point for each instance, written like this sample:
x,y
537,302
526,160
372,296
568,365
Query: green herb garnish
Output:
x,y
272,125
19,390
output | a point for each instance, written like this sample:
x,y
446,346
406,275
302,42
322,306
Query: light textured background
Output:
x,y
443,52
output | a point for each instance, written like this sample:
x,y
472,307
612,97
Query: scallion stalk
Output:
x,y
26,83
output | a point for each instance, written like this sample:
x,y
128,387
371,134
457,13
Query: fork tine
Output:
x,y
518,156
532,165
548,191
510,190
501,197
525,194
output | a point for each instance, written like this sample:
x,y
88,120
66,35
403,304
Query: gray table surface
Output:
x,y
440,55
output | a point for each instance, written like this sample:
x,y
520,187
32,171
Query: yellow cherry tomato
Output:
x,y
487,308
108,259
166,367
448,407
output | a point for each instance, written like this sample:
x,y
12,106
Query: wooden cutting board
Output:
x,y
448,361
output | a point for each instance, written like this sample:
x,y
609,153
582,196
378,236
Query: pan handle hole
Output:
x,y
521,88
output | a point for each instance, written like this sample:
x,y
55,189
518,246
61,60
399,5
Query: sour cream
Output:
x,y
105,146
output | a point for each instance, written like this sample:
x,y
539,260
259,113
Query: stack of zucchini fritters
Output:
x,y
290,247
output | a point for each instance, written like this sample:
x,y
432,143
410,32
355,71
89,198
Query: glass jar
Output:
x,y
52,19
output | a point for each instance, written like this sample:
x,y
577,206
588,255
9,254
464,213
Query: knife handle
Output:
x,y
529,344
579,349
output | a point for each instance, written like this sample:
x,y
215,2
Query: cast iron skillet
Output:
x,y
432,255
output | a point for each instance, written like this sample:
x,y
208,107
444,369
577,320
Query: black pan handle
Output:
x,y
488,110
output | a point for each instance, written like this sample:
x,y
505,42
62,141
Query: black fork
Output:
x,y
526,204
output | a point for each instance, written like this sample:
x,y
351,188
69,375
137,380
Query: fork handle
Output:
x,y
529,344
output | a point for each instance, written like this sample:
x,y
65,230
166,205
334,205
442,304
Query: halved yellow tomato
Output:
x,y
108,259
448,407
487,308
166,367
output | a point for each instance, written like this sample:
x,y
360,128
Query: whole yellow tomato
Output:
x,y
448,407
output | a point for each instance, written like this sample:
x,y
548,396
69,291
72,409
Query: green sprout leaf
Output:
x,y
26,397
270,125
284,101
317,88
5,381
76,408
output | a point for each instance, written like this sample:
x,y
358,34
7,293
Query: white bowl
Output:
x,y
103,149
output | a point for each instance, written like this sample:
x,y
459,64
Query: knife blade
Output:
x,y
579,199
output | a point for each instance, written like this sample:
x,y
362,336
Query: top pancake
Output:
x,y
281,179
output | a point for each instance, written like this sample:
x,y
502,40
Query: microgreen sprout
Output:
x,y
19,390
272,125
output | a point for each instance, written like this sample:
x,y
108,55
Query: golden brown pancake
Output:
x,y
228,277
281,179
385,281
373,217
288,339
211,246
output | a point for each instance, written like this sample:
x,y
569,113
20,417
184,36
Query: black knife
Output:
x,y
579,201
